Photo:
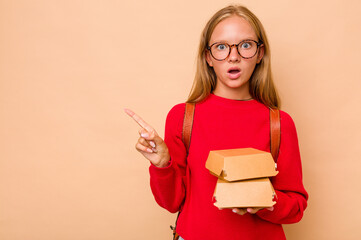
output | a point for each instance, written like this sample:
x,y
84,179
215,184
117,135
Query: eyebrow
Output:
x,y
246,39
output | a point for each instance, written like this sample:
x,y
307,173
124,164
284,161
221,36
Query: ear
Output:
x,y
260,53
209,58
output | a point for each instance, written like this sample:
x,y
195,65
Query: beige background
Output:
x,y
68,166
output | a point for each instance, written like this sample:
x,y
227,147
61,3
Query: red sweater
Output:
x,y
221,123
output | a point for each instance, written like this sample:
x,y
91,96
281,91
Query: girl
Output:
x,y
233,91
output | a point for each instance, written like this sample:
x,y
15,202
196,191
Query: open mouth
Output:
x,y
233,71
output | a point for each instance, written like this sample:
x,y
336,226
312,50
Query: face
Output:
x,y
230,82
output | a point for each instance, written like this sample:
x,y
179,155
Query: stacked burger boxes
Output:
x,y
243,177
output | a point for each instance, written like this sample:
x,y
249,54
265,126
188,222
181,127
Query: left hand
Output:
x,y
251,210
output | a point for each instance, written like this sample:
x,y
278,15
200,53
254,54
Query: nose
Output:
x,y
234,55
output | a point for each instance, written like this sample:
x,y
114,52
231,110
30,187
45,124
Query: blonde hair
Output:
x,y
261,86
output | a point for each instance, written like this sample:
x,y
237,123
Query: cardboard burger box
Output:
x,y
243,177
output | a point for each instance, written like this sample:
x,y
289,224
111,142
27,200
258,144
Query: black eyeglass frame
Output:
x,y
231,46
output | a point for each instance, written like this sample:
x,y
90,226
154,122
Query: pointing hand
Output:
x,y
149,143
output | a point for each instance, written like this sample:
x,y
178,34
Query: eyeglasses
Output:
x,y
246,49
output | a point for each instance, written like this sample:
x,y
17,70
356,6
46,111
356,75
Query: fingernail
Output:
x,y
152,144
154,150
149,150
145,135
234,210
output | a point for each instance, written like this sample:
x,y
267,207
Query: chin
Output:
x,y
237,83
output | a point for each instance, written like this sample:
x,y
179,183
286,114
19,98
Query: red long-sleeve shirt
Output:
x,y
221,123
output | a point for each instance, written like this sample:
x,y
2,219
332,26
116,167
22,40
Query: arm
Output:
x,y
168,183
291,195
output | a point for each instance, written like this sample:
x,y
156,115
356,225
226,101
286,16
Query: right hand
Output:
x,y
149,143
251,210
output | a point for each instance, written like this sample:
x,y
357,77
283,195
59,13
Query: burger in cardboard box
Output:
x,y
243,177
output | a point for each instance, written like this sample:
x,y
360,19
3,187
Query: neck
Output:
x,y
233,93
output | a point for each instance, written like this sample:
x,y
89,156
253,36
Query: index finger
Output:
x,y
139,120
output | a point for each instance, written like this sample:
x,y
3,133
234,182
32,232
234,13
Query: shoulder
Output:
x,y
175,116
176,112
287,123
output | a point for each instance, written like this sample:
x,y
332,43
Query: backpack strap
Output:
x,y
275,132
186,138
187,125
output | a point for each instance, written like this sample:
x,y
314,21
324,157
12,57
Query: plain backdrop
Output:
x,y
68,164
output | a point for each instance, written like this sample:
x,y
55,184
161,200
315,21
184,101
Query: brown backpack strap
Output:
x,y
187,124
186,138
275,132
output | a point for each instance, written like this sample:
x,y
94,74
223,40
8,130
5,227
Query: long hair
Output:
x,y
261,86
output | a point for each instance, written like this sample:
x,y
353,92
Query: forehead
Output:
x,y
233,30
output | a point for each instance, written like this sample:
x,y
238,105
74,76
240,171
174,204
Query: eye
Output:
x,y
221,46
246,45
